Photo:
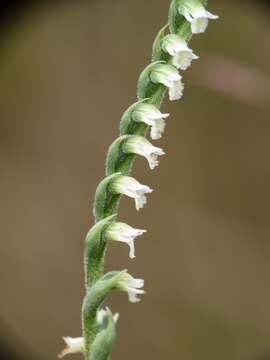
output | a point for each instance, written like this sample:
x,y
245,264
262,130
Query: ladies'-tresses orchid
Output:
x,y
132,286
139,145
122,232
177,47
196,15
170,54
150,115
168,75
128,186
74,345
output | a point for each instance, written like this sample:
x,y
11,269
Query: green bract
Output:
x,y
119,160
103,343
94,250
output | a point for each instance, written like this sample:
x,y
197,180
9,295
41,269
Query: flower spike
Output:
x,y
170,53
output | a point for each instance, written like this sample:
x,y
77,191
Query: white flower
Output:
x,y
168,76
139,145
196,15
150,115
130,187
177,47
101,314
122,232
131,285
74,345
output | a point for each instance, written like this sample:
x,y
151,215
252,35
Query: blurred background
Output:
x,y
68,70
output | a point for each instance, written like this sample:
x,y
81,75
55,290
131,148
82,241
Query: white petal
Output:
x,y
133,295
157,129
199,25
100,315
159,115
131,249
135,283
173,44
153,157
146,111
165,81
140,202
165,74
175,77
211,16
116,317
183,59
176,90
127,185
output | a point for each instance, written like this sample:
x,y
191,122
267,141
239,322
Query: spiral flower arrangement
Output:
x,y
170,54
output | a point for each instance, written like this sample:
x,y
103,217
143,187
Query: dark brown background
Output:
x,y
67,71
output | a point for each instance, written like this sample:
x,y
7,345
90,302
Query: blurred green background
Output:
x,y
68,70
